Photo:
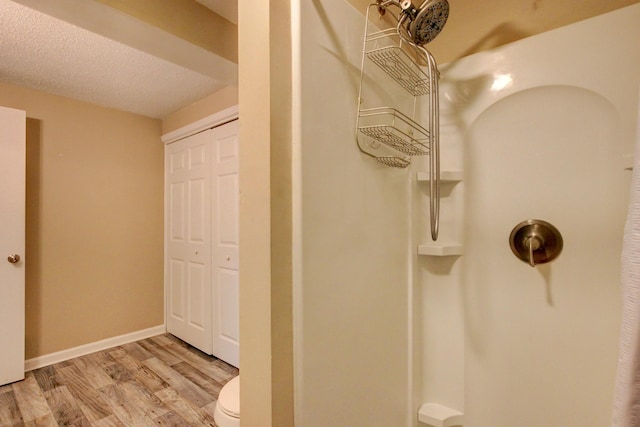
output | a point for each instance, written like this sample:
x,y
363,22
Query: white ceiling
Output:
x,y
159,75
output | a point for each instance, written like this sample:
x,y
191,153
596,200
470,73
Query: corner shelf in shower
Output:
x,y
435,415
440,249
446,177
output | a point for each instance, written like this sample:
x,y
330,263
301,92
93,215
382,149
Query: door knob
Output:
x,y
13,258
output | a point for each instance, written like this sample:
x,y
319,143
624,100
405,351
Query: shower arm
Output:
x,y
386,3
405,7
407,10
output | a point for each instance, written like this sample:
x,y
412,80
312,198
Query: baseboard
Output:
x,y
61,356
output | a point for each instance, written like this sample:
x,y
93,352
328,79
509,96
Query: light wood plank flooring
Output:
x,y
160,381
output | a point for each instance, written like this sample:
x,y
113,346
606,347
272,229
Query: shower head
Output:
x,y
426,21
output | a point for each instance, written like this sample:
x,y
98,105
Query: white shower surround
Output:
x,y
545,126
351,291
505,343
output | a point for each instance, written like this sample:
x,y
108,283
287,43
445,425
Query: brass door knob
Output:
x,y
13,258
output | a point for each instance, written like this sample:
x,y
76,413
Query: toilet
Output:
x,y
227,411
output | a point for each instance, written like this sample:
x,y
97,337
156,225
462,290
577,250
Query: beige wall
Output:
x,y
281,118
94,257
265,213
186,19
256,392
222,99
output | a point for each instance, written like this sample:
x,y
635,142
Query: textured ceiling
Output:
x,y
41,52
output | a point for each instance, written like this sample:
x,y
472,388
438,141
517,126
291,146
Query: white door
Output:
x,y
224,218
12,235
188,241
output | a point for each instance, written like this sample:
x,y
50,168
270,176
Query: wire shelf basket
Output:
x,y
393,128
413,69
394,162
401,68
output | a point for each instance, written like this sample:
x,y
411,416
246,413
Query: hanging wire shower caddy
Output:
x,y
385,132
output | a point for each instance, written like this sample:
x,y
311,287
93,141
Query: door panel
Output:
x,y
228,280
188,244
175,214
12,237
176,290
225,214
198,217
198,293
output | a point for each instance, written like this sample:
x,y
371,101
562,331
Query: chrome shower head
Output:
x,y
426,21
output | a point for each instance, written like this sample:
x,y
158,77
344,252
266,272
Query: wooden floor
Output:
x,y
160,381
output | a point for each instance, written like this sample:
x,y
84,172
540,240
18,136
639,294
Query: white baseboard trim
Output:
x,y
61,356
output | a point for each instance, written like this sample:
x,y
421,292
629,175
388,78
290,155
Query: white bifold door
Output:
x,y
12,243
201,262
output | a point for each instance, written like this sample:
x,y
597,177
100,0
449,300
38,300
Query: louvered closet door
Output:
x,y
225,217
188,242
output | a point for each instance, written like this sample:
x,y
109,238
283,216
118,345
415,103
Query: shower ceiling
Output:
x,y
158,76
479,25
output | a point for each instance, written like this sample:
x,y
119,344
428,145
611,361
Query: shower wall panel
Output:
x,y
352,297
547,124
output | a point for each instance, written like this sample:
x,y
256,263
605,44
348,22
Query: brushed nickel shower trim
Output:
x,y
535,241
